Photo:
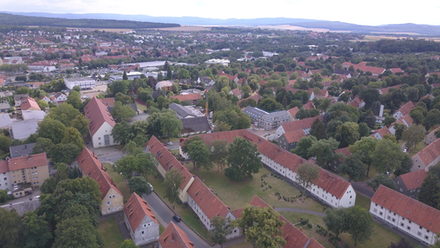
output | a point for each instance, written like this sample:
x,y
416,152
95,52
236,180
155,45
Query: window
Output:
x,y
408,227
380,213
426,236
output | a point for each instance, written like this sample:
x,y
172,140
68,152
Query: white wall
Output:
x,y
4,181
403,224
98,138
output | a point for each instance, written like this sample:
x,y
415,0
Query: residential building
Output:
x,y
267,120
427,157
31,169
410,183
328,187
206,205
196,125
4,107
166,161
174,237
5,121
381,133
21,150
403,110
183,112
22,130
83,83
29,103
111,197
164,85
290,133
101,123
33,115
408,215
140,221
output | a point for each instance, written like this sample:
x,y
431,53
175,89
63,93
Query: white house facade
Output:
x,y
408,215
103,136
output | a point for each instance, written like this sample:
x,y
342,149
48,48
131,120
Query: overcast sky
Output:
x,y
371,12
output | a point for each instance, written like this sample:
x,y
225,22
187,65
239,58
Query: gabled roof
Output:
x,y
406,108
208,202
293,111
430,153
27,162
196,124
29,103
136,209
90,166
167,160
294,130
187,97
414,179
98,114
413,210
174,237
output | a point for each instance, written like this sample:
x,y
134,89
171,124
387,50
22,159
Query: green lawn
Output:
x,y
238,194
109,231
362,201
119,180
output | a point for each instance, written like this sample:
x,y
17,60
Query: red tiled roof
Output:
x,y
167,160
418,212
430,152
406,108
294,130
396,70
97,113
413,180
26,162
309,105
136,209
383,131
362,66
187,97
174,237
293,111
326,180
90,166
108,101
29,103
208,202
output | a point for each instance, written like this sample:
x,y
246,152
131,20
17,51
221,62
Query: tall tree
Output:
x,y
413,135
430,190
303,146
243,160
324,151
198,152
307,173
76,232
10,226
347,133
172,181
128,243
221,228
74,99
318,129
219,153
122,113
36,231
164,125
262,227
387,156
139,185
51,129
363,149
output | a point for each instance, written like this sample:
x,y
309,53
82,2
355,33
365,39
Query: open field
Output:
x,y
263,184
109,231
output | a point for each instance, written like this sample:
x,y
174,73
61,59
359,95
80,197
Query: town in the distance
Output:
x,y
124,134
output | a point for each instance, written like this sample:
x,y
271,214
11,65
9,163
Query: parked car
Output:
x,y
177,218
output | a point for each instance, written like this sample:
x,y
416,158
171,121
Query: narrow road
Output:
x,y
24,204
164,214
299,210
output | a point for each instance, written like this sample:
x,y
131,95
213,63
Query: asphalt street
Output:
x,y
165,216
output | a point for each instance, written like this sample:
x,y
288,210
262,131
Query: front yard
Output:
x,y
109,231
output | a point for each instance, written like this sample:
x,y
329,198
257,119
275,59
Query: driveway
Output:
x,y
164,214
24,204
109,154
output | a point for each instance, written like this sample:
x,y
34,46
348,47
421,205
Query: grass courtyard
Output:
x,y
109,231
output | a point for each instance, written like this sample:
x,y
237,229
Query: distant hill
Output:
x,y
419,29
21,20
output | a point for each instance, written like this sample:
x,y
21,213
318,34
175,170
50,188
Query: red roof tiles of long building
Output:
x,y
90,166
167,160
414,179
27,162
98,114
136,209
409,208
430,152
406,108
174,237
209,203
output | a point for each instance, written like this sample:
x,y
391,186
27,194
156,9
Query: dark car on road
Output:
x,y
177,218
